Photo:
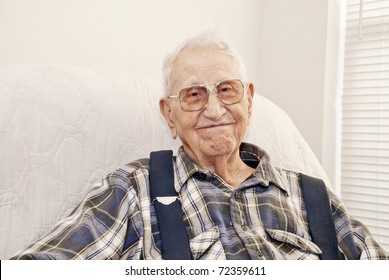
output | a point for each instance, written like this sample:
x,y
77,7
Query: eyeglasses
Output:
x,y
194,98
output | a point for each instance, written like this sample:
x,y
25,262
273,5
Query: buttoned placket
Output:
x,y
239,222
255,245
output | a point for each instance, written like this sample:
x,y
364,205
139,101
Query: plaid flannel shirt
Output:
x,y
262,219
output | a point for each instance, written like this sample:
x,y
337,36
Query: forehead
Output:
x,y
194,66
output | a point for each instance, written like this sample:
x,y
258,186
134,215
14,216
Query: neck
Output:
x,y
230,167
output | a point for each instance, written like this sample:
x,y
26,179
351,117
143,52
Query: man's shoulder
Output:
x,y
291,180
289,173
288,178
130,172
136,165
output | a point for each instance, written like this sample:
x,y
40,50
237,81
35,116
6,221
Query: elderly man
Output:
x,y
234,204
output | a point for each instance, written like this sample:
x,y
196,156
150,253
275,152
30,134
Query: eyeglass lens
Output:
x,y
194,97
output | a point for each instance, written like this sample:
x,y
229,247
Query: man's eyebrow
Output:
x,y
196,84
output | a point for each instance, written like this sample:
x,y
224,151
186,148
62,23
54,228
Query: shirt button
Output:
x,y
238,195
244,227
259,254
300,243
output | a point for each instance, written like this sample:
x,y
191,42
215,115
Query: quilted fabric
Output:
x,y
62,128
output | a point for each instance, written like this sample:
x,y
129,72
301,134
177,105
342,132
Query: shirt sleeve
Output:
x,y
96,229
355,240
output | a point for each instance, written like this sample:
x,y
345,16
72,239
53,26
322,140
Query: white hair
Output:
x,y
206,40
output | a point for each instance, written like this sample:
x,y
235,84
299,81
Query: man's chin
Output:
x,y
218,145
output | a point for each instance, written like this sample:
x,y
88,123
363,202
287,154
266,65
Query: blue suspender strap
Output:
x,y
175,241
319,215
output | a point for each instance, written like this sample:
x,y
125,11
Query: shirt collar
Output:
x,y
251,154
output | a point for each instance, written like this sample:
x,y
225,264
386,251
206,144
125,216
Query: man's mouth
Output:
x,y
210,126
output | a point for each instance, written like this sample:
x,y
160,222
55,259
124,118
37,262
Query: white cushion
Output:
x,y
63,128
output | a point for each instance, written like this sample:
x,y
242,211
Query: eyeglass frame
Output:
x,y
209,90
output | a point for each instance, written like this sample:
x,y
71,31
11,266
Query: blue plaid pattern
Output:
x,y
264,218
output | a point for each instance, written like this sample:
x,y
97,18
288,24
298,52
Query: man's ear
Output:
x,y
250,96
165,109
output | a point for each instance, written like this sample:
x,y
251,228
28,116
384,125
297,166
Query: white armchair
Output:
x,y
63,128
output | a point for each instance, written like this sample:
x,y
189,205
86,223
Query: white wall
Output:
x,y
283,42
122,34
333,91
292,55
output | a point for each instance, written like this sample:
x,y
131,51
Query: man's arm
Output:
x,y
96,229
355,240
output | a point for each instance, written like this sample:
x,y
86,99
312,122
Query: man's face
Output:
x,y
217,129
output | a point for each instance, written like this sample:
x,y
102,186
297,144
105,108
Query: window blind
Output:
x,y
365,116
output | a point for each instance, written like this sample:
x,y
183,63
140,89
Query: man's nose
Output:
x,y
214,108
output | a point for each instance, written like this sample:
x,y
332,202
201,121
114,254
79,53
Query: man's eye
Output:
x,y
226,88
193,94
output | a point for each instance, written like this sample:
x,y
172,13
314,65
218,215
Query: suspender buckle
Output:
x,y
166,200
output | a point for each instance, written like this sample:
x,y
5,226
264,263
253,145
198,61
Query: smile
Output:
x,y
214,126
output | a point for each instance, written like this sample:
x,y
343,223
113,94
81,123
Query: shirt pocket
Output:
x,y
207,245
294,246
